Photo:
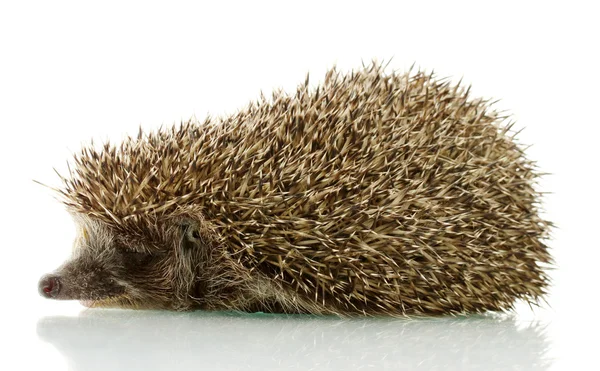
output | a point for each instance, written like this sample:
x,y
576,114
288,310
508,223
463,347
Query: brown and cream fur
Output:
x,y
373,193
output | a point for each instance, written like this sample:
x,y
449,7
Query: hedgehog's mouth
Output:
x,y
123,300
110,301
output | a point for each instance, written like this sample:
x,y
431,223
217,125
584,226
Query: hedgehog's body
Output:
x,y
374,194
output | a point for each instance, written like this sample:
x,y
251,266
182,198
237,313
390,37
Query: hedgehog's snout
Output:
x,y
49,286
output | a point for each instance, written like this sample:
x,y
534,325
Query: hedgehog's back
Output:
x,y
385,194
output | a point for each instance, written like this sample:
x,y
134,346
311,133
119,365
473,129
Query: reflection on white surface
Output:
x,y
146,340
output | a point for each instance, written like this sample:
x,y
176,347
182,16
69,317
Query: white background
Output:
x,y
72,71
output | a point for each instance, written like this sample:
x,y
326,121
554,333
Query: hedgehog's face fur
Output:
x,y
111,268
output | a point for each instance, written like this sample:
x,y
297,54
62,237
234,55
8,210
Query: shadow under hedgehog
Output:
x,y
374,193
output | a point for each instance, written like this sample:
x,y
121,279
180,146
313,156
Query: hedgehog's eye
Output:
x,y
131,256
131,251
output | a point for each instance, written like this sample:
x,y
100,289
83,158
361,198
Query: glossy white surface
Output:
x,y
103,340
71,71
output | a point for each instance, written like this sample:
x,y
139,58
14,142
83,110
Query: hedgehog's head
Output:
x,y
155,265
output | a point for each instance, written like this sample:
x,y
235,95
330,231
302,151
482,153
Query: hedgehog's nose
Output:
x,y
49,286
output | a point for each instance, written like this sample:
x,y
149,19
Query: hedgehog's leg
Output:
x,y
231,286
266,306
264,294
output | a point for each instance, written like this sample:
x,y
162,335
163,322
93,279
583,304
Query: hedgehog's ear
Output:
x,y
194,229
191,232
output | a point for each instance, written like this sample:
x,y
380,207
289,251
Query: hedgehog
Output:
x,y
371,193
